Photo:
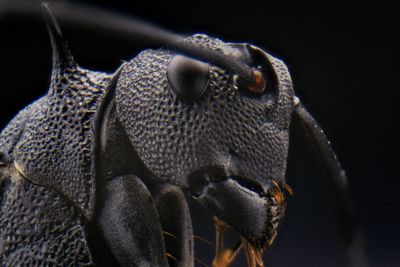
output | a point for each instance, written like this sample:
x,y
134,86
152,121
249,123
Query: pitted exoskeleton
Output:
x,y
201,144
121,153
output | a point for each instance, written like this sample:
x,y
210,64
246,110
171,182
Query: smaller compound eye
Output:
x,y
188,77
264,79
259,84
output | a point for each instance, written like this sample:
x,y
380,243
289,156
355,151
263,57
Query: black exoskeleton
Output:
x,y
122,152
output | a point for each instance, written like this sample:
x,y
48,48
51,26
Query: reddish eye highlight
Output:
x,y
259,83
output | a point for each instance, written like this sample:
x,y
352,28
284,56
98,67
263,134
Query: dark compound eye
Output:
x,y
188,77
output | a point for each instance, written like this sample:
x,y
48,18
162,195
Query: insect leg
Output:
x,y
130,223
177,225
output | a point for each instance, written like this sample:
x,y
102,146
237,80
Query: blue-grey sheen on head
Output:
x,y
218,145
120,153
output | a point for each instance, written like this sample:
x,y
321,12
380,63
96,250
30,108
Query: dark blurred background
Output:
x,y
344,63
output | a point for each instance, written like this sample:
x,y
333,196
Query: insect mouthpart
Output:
x,y
250,185
225,257
275,207
253,210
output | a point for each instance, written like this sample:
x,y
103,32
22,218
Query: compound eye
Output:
x,y
188,77
264,76
259,84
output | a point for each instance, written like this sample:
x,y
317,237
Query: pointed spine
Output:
x,y
62,57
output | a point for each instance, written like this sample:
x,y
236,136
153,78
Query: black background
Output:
x,y
344,63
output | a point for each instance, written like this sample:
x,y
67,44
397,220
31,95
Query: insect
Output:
x,y
122,152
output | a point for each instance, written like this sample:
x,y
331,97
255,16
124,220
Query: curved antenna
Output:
x,y
330,165
132,30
